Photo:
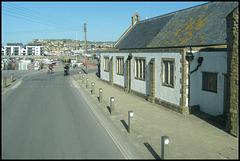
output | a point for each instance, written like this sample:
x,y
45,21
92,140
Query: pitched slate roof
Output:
x,y
197,26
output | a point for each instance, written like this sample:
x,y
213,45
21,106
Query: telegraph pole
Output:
x,y
85,30
76,48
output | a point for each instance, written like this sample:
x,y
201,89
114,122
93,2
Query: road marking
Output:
x,y
17,84
103,122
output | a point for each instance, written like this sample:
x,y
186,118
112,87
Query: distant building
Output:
x,y
12,49
34,49
20,49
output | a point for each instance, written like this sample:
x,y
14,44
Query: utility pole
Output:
x,y
76,48
85,30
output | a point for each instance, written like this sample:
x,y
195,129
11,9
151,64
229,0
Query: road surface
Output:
x,y
46,118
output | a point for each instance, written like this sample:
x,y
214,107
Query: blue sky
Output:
x,y
106,21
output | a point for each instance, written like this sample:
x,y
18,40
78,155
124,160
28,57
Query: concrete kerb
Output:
x,y
120,139
9,84
16,82
152,121
117,117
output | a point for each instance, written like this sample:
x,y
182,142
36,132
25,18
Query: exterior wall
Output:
x,y
23,51
209,102
12,50
232,123
162,92
36,50
117,79
2,51
164,95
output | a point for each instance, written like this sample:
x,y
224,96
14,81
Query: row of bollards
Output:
x,y
5,81
164,139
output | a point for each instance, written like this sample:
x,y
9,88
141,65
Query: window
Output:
x,y
209,81
106,64
139,72
120,65
168,72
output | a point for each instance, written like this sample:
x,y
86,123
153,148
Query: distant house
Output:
x,y
12,49
178,60
20,49
34,49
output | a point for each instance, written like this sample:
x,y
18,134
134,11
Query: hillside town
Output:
x,y
45,51
57,47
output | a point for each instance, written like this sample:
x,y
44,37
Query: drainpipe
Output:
x,y
129,58
200,60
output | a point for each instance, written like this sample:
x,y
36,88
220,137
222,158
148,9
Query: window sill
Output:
x,y
167,85
139,79
120,74
209,91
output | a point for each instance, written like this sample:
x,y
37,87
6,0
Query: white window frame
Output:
x,y
168,72
120,65
139,68
106,63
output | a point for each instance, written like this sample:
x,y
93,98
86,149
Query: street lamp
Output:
x,y
189,56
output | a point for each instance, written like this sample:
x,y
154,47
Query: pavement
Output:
x,y
9,84
190,136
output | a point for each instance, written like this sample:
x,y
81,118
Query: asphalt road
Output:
x,y
44,117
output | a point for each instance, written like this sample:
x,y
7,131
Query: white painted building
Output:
x,y
12,49
19,49
178,60
210,97
34,49
163,92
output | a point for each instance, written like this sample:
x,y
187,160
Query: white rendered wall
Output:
x,y
117,79
210,102
165,93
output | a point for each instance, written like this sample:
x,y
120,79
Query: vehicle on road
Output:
x,y
50,69
66,70
36,66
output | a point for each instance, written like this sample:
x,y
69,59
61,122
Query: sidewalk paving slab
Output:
x,y
190,137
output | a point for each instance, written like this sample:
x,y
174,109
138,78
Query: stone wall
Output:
x,y
184,101
232,74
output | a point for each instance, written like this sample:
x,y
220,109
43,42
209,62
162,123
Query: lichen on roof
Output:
x,y
201,25
182,28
